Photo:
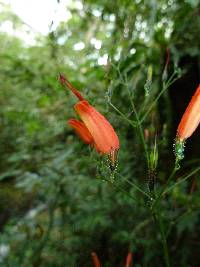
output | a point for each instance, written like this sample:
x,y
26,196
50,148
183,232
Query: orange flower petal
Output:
x,y
105,138
81,131
95,260
191,117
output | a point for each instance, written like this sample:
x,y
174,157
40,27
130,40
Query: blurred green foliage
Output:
x,y
55,206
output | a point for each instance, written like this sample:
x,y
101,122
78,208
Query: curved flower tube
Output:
x,y
191,117
95,259
94,129
187,125
129,259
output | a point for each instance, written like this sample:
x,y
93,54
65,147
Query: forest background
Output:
x,y
56,205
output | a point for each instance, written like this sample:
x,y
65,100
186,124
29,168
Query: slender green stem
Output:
x,y
135,186
158,221
173,222
141,134
171,80
164,88
179,217
139,126
119,188
164,188
153,104
158,218
164,241
181,181
122,115
141,225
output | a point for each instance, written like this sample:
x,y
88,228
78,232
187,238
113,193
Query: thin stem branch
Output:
x,y
153,104
164,88
164,188
180,181
164,240
139,126
135,186
158,221
122,114
119,188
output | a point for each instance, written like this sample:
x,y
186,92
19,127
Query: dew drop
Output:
x,y
112,178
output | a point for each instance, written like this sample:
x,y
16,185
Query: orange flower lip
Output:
x,y
81,131
191,117
94,129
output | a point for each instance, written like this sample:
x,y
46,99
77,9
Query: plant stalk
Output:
x,y
158,221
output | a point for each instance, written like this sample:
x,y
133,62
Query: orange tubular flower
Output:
x,y
191,118
95,260
188,124
129,259
94,128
